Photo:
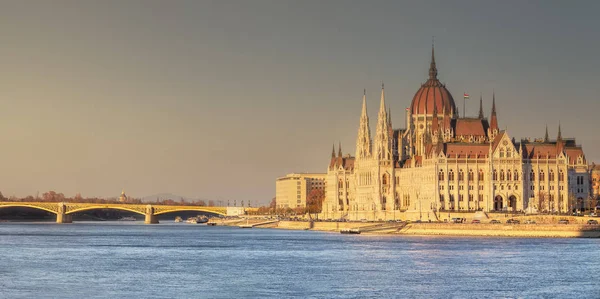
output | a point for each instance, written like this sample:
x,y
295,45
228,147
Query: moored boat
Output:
x,y
350,231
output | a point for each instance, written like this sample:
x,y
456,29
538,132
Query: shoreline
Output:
x,y
438,229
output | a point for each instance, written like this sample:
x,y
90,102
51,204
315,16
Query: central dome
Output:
x,y
432,94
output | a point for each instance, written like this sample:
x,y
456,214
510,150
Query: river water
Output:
x,y
177,260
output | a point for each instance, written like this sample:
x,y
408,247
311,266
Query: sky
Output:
x,y
216,99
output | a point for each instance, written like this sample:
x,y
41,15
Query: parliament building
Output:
x,y
442,163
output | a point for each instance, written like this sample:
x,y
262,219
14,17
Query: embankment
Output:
x,y
504,230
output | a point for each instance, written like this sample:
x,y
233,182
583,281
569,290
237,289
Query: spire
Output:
x,y
363,141
434,120
432,68
333,151
494,120
480,106
559,138
340,150
559,142
546,139
382,100
382,134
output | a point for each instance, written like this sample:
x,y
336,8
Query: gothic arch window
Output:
x,y
451,175
461,175
502,175
480,175
508,175
441,175
516,177
470,175
384,179
542,176
508,153
551,176
532,176
501,153
495,175
561,176
340,184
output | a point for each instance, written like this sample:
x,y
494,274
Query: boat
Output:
x,y
178,219
350,231
129,218
192,220
198,219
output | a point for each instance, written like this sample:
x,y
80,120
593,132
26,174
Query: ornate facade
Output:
x,y
441,162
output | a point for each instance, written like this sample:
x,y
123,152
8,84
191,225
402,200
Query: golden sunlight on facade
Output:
x,y
292,190
442,163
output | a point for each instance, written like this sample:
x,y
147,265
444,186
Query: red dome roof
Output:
x,y
433,91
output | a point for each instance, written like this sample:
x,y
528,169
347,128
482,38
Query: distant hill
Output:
x,y
164,196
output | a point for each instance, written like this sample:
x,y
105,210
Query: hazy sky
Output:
x,y
215,99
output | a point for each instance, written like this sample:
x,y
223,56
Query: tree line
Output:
x,y
53,196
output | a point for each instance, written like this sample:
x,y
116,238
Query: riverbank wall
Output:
x,y
503,230
542,229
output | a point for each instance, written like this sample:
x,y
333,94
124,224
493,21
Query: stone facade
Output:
x,y
441,162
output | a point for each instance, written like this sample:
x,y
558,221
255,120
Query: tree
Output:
x,y
314,201
273,205
542,198
592,202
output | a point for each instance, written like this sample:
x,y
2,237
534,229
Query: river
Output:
x,y
178,260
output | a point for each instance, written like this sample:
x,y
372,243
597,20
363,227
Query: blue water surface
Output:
x,y
178,260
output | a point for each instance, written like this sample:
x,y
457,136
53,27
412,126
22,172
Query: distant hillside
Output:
x,y
165,196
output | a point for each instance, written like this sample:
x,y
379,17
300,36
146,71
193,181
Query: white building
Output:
x,y
441,162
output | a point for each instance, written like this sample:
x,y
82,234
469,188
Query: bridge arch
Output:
x,y
100,207
197,209
36,207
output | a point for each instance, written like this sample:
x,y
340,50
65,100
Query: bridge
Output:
x,y
65,210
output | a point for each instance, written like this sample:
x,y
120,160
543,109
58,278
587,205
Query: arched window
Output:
x,y
470,175
502,175
561,176
501,153
516,177
340,184
542,176
508,153
508,175
532,176
551,176
495,175
451,175
384,179
461,175
441,175
480,175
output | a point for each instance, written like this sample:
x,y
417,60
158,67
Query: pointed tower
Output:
x,y
340,150
559,137
480,106
432,68
493,130
333,151
560,145
363,141
435,127
546,138
382,135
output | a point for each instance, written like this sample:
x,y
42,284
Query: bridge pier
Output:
x,y
150,217
61,216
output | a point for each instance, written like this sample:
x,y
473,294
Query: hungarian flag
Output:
x,y
465,96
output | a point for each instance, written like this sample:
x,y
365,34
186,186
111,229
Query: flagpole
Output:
x,y
464,115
